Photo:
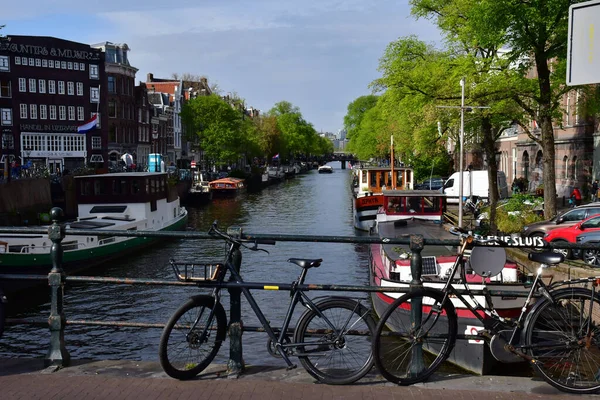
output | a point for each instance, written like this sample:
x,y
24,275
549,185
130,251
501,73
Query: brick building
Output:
x,y
48,87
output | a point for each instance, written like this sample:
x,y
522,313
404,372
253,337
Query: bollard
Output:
x,y
57,353
235,365
416,310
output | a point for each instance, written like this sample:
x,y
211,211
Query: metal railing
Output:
x,y
57,353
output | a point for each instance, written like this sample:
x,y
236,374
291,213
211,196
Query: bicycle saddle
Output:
x,y
306,263
547,257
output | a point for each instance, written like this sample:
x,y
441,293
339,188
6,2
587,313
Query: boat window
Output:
x,y
414,204
135,187
382,178
108,209
432,204
98,187
408,178
373,179
86,188
399,183
396,204
364,177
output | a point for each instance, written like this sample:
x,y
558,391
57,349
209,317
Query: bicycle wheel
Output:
x,y
408,353
187,347
566,353
340,356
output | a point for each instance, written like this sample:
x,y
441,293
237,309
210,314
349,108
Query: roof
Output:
x,y
124,174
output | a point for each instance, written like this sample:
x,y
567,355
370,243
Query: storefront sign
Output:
x,y
32,50
47,128
57,154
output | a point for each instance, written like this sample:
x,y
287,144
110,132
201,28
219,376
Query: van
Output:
x,y
475,183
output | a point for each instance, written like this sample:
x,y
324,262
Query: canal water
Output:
x,y
310,204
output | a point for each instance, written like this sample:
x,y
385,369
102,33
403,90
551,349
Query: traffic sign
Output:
x,y
193,164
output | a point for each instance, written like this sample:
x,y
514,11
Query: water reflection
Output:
x,y
310,204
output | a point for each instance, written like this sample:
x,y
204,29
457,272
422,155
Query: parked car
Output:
x,y
590,256
430,184
565,219
569,234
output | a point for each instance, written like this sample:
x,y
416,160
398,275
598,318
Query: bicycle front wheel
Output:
x,y
336,348
192,337
563,338
415,334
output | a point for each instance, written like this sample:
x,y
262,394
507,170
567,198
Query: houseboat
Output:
x,y
227,186
111,202
421,212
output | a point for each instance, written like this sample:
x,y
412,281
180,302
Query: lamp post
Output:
x,y
460,151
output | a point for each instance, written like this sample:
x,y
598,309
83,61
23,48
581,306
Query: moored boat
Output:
x,y
228,186
199,192
368,182
421,212
109,202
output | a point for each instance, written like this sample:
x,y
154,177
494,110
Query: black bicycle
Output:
x,y
332,338
557,330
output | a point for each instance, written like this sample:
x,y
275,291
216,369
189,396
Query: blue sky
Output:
x,y
319,55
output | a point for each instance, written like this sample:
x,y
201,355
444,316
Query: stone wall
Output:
x,y
22,200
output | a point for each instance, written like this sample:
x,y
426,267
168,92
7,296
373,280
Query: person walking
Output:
x,y
595,190
576,196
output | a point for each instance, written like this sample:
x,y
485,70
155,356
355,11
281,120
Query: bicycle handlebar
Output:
x,y
214,230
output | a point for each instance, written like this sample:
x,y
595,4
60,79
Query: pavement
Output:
x,y
25,378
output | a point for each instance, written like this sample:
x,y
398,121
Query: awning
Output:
x,y
96,158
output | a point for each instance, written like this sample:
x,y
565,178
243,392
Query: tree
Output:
x,y
269,135
299,136
356,112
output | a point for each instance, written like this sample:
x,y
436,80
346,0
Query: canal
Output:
x,y
310,204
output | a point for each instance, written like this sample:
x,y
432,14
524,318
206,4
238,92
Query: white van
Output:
x,y
475,183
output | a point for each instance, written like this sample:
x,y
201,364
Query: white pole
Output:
x,y
462,133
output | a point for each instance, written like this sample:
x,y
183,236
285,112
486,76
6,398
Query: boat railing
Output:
x,y
58,355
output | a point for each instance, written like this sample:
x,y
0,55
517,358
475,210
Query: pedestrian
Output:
x,y
576,196
595,190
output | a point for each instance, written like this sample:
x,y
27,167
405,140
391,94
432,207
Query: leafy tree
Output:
x,y
356,112
269,135
299,136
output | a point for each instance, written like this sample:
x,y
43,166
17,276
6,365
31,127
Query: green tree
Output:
x,y
356,112
299,136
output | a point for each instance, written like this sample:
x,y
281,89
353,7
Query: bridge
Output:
x,y
343,158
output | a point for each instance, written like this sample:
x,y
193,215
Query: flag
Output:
x,y
88,125
276,156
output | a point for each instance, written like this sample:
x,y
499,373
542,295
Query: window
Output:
x,y
4,63
94,71
62,113
565,167
44,63
70,88
57,64
94,95
81,66
24,60
63,65
71,113
96,142
43,111
111,84
6,116
31,62
50,63
80,112
52,112
8,141
17,60
22,85
5,88
42,85
112,109
69,65
23,111
33,111
76,66
79,88
38,62
52,87
61,87
32,85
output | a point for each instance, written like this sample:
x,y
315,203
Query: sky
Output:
x,y
319,55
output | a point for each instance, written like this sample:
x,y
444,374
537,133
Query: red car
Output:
x,y
570,233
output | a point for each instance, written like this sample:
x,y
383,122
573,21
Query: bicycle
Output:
x,y
329,338
556,332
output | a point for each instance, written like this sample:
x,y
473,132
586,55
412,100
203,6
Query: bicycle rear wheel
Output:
x,y
566,352
406,352
192,338
341,355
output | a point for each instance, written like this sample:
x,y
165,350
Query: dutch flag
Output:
x,y
88,125
276,156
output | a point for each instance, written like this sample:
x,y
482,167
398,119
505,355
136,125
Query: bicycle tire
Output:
x,y
572,370
406,362
182,357
2,315
350,358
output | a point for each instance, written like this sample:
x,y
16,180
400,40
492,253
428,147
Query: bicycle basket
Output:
x,y
196,272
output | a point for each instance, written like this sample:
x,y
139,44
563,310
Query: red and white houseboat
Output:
x,y
421,212
367,185
227,186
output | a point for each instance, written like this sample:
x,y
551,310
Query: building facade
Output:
x,y
49,87
120,101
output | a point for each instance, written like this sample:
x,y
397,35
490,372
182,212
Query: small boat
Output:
x,y
325,169
227,186
367,185
199,192
125,201
421,212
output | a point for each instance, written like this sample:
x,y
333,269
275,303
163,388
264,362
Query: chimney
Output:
x,y
150,77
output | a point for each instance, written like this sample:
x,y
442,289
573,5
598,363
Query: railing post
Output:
x,y
235,366
416,310
57,354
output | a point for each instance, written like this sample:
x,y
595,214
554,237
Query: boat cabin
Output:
x,y
377,179
423,204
